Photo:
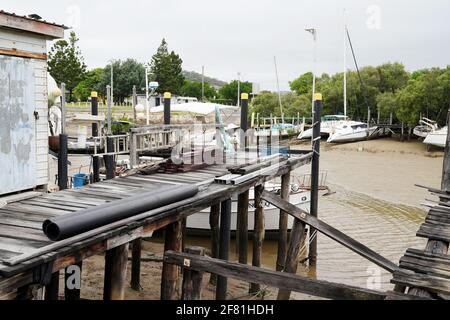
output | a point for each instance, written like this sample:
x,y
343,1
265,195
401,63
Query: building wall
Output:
x,y
28,42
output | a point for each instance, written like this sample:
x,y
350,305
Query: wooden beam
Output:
x,y
283,223
136,264
214,219
258,234
242,216
49,30
192,280
170,272
115,273
52,289
23,54
224,248
318,288
331,232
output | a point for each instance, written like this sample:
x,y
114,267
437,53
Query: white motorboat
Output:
x,y
198,224
437,137
426,127
326,127
350,132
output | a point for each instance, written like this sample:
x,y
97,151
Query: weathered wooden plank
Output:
x,y
67,207
271,278
331,232
20,246
20,233
170,272
9,220
115,273
434,232
71,204
85,200
5,254
392,295
421,281
419,266
26,208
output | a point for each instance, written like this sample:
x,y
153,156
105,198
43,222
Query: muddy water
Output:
x,y
387,228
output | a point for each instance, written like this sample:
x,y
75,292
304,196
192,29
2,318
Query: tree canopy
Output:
x,y
91,82
230,90
194,89
166,69
66,63
126,74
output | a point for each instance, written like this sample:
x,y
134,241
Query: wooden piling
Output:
x,y
214,219
170,272
283,224
136,251
95,160
242,231
224,246
258,234
192,280
315,171
116,261
293,254
52,289
72,294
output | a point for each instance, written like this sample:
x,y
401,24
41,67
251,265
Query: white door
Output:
x,y
17,125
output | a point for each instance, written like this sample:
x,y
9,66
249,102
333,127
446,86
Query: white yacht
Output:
x,y
326,127
437,137
426,127
350,132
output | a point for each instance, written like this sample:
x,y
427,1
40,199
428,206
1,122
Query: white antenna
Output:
x,y
345,64
278,85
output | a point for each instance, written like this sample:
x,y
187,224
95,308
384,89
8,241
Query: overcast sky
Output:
x,y
230,36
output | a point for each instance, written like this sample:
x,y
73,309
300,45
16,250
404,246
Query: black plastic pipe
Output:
x,y
224,246
69,225
63,159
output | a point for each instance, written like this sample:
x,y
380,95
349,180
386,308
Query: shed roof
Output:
x,y
47,29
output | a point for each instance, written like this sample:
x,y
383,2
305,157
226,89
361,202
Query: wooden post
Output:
x,y
242,231
134,103
292,260
109,159
315,171
258,234
72,294
95,160
116,261
136,251
52,289
283,225
171,272
434,246
214,219
192,280
224,246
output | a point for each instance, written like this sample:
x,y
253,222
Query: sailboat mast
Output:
x,y
345,65
278,86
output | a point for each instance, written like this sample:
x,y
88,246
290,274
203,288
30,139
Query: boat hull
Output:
x,y
437,138
199,222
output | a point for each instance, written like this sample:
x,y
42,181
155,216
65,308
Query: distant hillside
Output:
x,y
194,76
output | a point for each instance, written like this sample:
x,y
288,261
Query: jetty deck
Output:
x,y
28,257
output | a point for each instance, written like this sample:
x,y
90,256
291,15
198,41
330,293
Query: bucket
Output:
x,y
80,180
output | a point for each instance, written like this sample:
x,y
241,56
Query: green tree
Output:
x,y
303,84
265,103
91,82
126,74
387,104
66,63
393,77
230,90
194,89
166,69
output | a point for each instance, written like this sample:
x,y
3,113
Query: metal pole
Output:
x,y
134,103
224,246
167,101
239,89
147,96
112,81
203,83
345,65
244,120
63,108
109,116
94,112
315,174
278,85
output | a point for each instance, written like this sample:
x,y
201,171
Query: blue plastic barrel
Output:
x,y
80,180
